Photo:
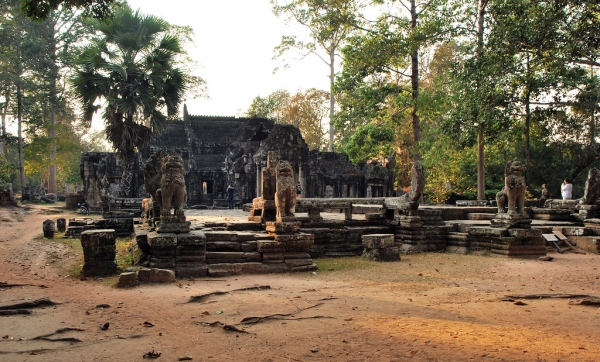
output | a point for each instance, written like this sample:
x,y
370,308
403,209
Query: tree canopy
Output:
x,y
42,9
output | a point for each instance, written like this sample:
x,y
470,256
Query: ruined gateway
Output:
x,y
220,150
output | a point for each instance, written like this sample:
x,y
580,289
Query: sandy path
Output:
x,y
386,313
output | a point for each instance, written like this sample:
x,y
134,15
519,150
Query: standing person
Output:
x,y
566,189
298,190
231,196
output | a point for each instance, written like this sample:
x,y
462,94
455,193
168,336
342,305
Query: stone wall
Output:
x,y
218,151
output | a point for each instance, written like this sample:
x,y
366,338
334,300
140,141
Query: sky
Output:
x,y
234,42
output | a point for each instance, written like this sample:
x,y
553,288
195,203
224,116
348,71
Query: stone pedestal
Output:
x,y
173,224
409,235
380,247
289,248
508,221
49,229
61,224
99,252
510,242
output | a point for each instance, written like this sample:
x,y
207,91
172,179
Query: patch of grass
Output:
x,y
75,270
420,271
124,257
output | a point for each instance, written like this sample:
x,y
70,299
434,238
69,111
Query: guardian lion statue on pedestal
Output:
x,y
513,192
172,185
285,195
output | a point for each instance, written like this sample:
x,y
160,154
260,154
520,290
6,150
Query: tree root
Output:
x,y
46,337
226,327
512,298
33,304
279,316
203,297
15,311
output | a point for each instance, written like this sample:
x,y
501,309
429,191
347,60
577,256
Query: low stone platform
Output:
x,y
512,242
219,252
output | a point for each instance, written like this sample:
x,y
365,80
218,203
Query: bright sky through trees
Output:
x,y
234,41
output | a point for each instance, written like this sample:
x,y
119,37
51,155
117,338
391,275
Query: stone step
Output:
x,y
480,216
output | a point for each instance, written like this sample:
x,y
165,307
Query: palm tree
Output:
x,y
130,71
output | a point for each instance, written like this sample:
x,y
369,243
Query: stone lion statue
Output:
x,y
172,185
513,192
285,194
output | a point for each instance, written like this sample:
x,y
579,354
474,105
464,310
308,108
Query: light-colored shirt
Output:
x,y
566,191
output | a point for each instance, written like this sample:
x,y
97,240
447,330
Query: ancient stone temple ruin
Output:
x,y
167,242
217,151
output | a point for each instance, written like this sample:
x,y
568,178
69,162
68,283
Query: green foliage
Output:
x,y
42,9
7,171
306,110
131,66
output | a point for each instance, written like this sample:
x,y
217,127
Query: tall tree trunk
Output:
x,y
414,81
3,149
527,120
51,134
480,132
52,188
20,135
331,97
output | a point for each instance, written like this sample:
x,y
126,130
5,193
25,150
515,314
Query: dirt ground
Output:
x,y
431,307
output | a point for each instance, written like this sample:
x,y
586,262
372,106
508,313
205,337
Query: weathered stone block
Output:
x,y
195,271
248,246
298,246
105,252
283,227
384,254
98,268
128,279
271,247
275,268
576,231
524,233
223,246
255,226
298,262
162,240
191,238
141,239
487,232
376,241
156,275
272,256
292,255
61,224
252,257
94,238
253,268
49,228
224,255
293,237
221,236
223,270
180,227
